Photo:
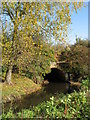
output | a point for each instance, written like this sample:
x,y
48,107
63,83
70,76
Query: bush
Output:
x,y
26,114
72,105
76,60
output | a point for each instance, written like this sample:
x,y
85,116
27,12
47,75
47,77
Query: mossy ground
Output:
x,y
21,86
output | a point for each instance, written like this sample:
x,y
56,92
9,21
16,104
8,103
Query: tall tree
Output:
x,y
27,18
76,59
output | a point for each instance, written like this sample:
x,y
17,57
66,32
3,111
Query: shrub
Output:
x,y
74,105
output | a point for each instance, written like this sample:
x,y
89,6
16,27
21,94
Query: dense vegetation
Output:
x,y
27,32
33,36
75,60
74,105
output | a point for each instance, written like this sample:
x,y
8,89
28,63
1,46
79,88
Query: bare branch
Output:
x,y
10,13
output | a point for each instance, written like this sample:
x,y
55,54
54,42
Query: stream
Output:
x,y
38,97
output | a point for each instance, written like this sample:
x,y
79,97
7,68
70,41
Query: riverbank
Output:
x,y
31,100
74,105
21,86
69,106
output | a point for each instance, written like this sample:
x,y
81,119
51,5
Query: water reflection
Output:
x,y
36,98
57,87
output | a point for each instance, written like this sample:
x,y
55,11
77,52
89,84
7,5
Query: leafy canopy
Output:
x,y
21,21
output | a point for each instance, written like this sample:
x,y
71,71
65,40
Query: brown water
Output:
x,y
36,98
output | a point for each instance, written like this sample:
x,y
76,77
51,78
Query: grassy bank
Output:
x,y
74,105
21,86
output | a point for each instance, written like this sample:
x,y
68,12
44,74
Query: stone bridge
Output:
x,y
62,63
55,64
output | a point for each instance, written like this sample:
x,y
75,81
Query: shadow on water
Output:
x,y
57,84
36,98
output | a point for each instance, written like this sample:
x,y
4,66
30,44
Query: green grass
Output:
x,y
74,105
21,85
69,106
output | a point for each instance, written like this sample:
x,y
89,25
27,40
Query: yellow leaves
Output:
x,y
7,44
61,28
62,39
54,17
45,18
71,63
45,24
39,53
57,28
1,45
35,22
60,34
34,43
41,46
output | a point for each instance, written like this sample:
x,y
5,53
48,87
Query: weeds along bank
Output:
x,y
20,87
74,105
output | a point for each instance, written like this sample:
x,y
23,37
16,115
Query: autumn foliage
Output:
x,y
21,21
76,59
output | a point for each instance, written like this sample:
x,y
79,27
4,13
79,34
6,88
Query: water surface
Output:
x,y
36,98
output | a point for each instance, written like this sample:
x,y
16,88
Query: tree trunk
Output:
x,y
68,76
8,75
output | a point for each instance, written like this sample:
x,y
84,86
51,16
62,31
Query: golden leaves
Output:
x,y
54,17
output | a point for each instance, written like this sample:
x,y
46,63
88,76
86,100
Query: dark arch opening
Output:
x,y
56,75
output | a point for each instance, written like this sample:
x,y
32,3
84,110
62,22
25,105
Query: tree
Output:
x,y
76,59
37,60
82,42
25,20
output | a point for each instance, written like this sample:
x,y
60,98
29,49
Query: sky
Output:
x,y
89,22
79,26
